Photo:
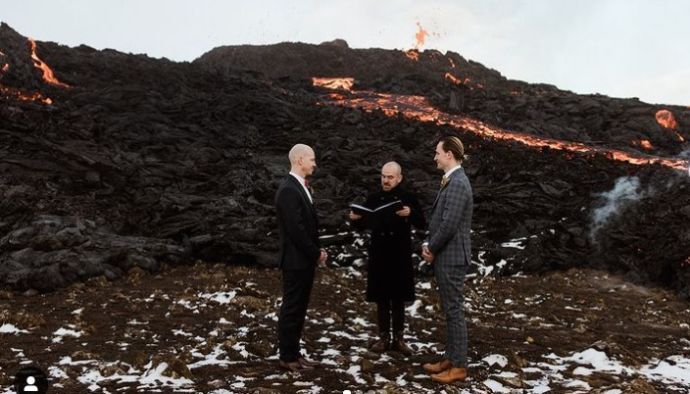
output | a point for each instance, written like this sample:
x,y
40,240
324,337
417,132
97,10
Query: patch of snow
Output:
x,y
496,387
361,322
496,359
221,297
673,370
61,332
57,373
599,361
181,333
8,328
354,370
424,285
414,308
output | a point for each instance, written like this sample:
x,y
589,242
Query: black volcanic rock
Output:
x,y
483,93
145,161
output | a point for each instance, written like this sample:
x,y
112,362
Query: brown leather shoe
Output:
x,y
308,363
450,375
438,367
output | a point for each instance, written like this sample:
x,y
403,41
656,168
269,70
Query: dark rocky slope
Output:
x,y
140,161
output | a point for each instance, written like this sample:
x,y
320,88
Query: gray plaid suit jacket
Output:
x,y
451,218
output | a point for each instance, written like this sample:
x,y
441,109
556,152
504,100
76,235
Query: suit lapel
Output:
x,y
304,195
438,195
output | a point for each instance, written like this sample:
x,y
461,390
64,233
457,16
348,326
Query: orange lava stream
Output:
x,y
24,96
48,74
419,108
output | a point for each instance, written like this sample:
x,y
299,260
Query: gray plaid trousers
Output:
x,y
451,280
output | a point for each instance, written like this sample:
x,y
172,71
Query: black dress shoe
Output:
x,y
305,363
382,344
292,366
400,346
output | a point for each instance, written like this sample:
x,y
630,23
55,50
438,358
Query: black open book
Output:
x,y
392,206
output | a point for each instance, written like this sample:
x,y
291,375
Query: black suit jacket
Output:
x,y
299,238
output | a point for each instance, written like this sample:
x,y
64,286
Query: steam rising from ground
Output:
x,y
625,191
685,155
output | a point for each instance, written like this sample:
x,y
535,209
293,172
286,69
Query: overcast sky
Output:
x,y
621,48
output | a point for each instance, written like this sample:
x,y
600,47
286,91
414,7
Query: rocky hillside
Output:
x,y
111,161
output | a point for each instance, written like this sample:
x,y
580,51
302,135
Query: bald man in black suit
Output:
x,y
300,252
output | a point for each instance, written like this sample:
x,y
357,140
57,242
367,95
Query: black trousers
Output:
x,y
297,285
387,309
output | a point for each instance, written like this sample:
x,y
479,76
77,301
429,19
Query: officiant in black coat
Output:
x,y
390,274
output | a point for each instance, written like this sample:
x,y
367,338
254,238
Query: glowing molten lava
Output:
x,y
453,78
24,96
412,54
666,119
420,36
644,144
334,83
48,74
19,94
419,108
460,81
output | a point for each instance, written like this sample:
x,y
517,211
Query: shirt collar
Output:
x,y
299,178
447,174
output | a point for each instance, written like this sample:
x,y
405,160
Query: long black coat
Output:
x,y
390,271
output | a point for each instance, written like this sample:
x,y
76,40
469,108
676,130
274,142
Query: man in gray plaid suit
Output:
x,y
448,249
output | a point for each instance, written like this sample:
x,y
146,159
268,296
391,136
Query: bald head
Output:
x,y
392,166
391,175
302,160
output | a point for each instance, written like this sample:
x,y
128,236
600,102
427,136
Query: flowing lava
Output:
x,y
334,83
48,74
644,144
22,95
453,78
666,120
419,108
412,54
459,81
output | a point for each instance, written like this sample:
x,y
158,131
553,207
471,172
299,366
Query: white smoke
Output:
x,y
685,155
625,191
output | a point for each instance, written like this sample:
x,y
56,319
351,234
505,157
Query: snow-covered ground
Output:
x,y
185,339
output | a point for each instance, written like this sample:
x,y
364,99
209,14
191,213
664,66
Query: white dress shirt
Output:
x,y
447,174
304,185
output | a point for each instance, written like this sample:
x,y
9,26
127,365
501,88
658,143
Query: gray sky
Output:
x,y
621,48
